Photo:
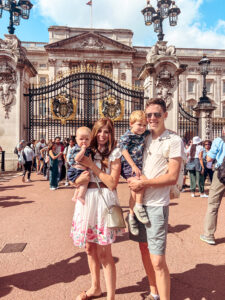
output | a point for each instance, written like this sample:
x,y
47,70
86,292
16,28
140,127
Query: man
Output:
x,y
19,148
66,155
161,166
216,190
39,159
59,148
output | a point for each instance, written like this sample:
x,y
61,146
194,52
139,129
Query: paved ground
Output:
x,y
51,268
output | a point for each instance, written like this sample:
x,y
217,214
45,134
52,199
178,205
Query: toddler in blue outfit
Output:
x,y
132,147
81,149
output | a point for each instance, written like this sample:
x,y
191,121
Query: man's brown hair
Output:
x,y
156,101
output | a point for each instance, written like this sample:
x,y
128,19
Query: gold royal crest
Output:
x,y
112,108
63,108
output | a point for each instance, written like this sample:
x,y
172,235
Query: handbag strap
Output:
x,y
100,191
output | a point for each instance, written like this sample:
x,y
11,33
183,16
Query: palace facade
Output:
x,y
113,50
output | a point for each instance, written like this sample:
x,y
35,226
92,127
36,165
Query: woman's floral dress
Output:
x,y
89,220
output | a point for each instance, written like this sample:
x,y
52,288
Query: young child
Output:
x,y
83,139
132,147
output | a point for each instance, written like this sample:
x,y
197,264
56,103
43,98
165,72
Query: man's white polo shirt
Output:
x,y
155,163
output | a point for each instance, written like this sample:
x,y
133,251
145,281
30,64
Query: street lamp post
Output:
x,y
165,9
16,10
204,64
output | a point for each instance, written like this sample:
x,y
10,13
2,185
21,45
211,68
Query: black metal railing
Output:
x,y
2,162
88,90
187,124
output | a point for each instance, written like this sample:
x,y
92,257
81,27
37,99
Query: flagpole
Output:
x,y
91,14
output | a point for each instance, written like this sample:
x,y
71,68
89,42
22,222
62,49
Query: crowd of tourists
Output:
x,y
151,162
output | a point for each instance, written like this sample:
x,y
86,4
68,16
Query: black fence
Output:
x,y
79,100
187,124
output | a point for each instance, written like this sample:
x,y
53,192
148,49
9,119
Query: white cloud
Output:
x,y
190,31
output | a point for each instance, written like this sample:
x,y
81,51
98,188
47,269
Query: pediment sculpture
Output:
x,y
92,43
8,80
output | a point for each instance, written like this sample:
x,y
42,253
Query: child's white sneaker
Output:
x,y
133,226
141,214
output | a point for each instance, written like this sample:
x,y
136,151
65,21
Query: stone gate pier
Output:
x,y
15,73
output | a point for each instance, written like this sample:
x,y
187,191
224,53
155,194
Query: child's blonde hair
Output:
x,y
137,115
83,130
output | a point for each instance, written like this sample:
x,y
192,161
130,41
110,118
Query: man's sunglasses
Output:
x,y
156,115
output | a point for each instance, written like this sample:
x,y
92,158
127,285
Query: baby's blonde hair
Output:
x,y
137,115
83,129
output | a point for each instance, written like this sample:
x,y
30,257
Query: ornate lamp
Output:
x,y
204,64
148,13
165,9
17,9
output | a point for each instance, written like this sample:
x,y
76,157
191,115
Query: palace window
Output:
x,y
42,80
43,66
137,83
224,87
123,76
209,86
223,110
191,86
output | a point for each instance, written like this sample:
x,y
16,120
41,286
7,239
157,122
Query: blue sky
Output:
x,y
201,23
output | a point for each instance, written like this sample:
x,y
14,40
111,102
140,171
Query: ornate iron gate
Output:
x,y
80,99
187,124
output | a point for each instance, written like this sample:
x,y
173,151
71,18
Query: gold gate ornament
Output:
x,y
63,108
112,108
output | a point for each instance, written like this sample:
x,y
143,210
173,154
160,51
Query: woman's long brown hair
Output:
x,y
111,143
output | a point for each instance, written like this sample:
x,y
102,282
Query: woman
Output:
x,y
207,165
29,155
89,228
195,167
53,171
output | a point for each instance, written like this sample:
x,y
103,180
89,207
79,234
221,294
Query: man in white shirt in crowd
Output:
x,y
66,154
59,148
161,166
29,156
19,148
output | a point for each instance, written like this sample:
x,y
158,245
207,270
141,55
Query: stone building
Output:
x,y
111,50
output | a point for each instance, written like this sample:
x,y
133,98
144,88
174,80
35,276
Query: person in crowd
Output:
x,y
59,148
195,167
46,160
89,227
186,146
83,138
66,142
18,151
132,147
39,159
33,145
53,170
208,165
29,155
216,191
161,172
66,154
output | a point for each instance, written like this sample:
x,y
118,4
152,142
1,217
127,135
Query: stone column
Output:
x,y
15,72
204,113
161,79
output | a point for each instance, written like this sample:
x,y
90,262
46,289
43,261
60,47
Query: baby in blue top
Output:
x,y
132,147
83,139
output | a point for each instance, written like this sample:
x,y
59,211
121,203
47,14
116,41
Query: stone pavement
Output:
x,y
51,268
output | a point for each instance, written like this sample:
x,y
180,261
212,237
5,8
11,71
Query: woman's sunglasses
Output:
x,y
156,115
